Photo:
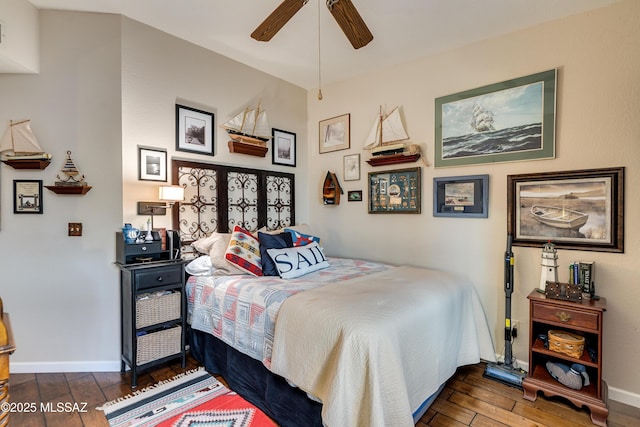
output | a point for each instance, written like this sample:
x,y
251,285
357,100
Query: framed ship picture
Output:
x,y
508,121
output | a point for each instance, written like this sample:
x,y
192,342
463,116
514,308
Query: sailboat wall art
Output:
x,y
70,180
20,149
508,121
249,131
387,140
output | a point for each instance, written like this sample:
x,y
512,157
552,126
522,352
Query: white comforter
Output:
x,y
374,348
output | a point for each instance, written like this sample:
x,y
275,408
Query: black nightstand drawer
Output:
x,y
143,248
158,277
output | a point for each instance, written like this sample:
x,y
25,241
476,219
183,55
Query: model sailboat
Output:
x,y
386,141
249,131
71,181
20,148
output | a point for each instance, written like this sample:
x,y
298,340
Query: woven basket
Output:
x,y
157,309
156,345
566,343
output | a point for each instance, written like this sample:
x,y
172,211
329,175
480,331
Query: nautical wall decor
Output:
x,y
20,148
508,121
70,180
581,209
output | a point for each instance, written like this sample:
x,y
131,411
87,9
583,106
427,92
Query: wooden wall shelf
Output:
x,y
250,149
27,163
393,159
69,189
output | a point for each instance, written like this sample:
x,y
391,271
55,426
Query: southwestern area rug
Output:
x,y
191,399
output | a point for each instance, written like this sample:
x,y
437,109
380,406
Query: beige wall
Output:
x,y
598,102
160,71
62,291
107,84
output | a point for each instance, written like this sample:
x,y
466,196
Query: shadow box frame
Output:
x,y
396,191
443,187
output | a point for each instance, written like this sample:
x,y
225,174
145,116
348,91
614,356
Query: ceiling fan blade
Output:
x,y
274,22
352,24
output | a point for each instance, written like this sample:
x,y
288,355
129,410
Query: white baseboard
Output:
x,y
623,396
56,367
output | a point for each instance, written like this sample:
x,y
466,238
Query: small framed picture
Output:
x,y
351,167
27,196
194,130
152,164
335,134
284,147
354,196
461,196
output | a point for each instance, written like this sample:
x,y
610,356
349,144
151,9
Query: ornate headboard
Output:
x,y
219,197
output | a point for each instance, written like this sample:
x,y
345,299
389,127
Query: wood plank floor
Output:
x,y
468,400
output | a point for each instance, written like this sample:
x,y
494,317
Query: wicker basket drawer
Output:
x,y
565,316
157,309
156,345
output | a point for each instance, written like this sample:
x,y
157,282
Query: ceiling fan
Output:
x,y
343,11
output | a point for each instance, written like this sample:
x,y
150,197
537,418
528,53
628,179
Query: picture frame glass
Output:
x,y
194,130
284,147
461,196
27,196
152,165
334,134
572,209
395,191
508,121
351,164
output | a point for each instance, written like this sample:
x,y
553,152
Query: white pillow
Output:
x,y
203,245
298,261
200,266
219,244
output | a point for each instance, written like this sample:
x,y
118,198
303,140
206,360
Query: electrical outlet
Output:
x,y
515,326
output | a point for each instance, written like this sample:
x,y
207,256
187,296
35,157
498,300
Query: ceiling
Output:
x,y
403,30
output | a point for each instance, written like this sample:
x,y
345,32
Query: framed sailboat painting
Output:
x,y
508,121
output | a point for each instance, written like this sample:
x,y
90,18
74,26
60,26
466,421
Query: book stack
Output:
x,y
582,273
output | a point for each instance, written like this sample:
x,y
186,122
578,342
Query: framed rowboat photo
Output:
x,y
582,209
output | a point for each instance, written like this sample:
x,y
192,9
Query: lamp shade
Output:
x,y
171,193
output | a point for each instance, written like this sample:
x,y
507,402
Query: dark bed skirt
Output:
x,y
286,405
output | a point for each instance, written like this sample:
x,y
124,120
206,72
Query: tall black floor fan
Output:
x,y
505,372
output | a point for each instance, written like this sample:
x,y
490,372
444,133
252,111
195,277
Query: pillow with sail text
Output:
x,y
298,260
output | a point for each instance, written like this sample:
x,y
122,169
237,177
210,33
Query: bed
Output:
x,y
372,342
344,342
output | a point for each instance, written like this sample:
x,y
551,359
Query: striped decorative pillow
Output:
x,y
244,251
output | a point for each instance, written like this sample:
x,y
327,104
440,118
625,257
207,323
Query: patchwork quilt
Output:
x,y
241,310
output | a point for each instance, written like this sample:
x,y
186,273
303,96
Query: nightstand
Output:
x,y
153,310
582,318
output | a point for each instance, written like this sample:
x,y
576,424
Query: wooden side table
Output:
x,y
7,347
583,318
